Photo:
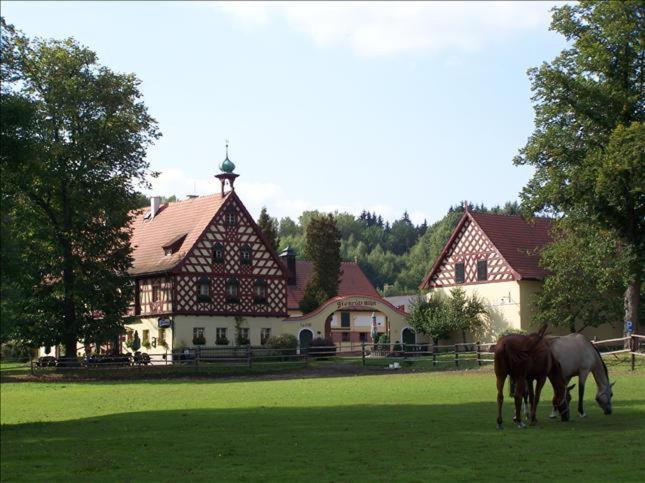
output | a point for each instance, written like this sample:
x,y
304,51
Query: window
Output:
x,y
344,320
265,334
260,291
220,336
460,274
231,217
161,336
244,336
218,253
156,288
199,337
482,270
363,336
146,337
232,290
129,334
345,336
245,255
204,290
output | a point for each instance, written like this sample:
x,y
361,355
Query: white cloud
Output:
x,y
374,29
255,195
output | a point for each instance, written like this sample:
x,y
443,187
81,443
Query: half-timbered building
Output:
x,y
497,257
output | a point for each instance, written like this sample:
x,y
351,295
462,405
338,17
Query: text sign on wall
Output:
x,y
355,303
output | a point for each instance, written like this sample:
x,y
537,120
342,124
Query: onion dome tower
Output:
x,y
227,167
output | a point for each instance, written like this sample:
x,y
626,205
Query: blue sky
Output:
x,y
386,107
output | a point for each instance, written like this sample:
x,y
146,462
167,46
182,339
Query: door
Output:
x,y
409,336
305,338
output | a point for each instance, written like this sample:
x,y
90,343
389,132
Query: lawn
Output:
x,y
405,427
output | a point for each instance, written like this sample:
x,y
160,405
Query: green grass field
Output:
x,y
395,427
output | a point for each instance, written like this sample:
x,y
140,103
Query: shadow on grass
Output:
x,y
345,443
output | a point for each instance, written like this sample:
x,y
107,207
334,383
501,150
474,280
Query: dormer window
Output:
x,y
174,244
260,291
218,253
232,290
245,255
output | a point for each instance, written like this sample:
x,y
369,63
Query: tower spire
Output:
x,y
227,167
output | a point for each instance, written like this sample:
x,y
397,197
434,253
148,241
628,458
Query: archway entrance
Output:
x,y
408,336
305,337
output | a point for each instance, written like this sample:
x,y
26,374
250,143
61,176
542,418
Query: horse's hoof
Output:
x,y
521,425
582,415
553,415
533,423
500,426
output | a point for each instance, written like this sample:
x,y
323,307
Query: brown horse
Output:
x,y
527,358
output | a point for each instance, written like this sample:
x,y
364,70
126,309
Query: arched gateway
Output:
x,y
394,320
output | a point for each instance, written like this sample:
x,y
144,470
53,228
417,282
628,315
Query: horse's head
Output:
x,y
563,407
603,397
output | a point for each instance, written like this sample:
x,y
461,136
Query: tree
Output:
x,y
72,158
323,249
430,317
269,227
587,274
467,313
587,147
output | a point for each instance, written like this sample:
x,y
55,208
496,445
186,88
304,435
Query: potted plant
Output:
x,y
221,341
199,340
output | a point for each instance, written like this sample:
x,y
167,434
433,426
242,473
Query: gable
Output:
x,y
469,244
245,232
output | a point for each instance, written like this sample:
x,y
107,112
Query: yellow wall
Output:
x,y
151,324
184,324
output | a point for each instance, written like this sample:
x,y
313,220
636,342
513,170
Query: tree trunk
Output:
x,y
69,310
632,302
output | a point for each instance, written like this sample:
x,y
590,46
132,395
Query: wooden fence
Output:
x,y
201,358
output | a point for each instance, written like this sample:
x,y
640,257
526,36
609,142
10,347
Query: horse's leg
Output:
x,y
531,396
500,399
539,384
582,378
520,388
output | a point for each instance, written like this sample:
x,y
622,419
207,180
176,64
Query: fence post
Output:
x,y
478,349
633,347
363,352
434,354
456,355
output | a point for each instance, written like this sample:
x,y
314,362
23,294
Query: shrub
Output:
x,y
383,342
322,348
199,340
220,341
146,344
286,345
15,351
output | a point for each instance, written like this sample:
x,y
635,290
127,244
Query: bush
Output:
x,y
219,341
322,348
511,331
199,340
383,342
286,345
15,351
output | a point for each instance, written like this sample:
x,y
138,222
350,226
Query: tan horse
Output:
x,y
578,357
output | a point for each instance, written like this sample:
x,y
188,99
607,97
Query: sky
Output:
x,y
387,107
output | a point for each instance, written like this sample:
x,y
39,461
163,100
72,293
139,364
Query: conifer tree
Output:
x,y
269,227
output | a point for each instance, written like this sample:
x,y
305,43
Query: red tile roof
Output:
x,y
518,240
352,282
186,218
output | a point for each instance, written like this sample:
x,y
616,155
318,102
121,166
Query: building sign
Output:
x,y
164,323
356,303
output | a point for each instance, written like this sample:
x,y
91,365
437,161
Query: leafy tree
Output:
x,y
72,158
269,227
403,235
288,227
323,249
587,270
430,317
587,147
468,313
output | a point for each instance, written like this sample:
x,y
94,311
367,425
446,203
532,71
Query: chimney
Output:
x,y
288,257
155,203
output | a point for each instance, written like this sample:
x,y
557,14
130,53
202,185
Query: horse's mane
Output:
x,y
604,366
